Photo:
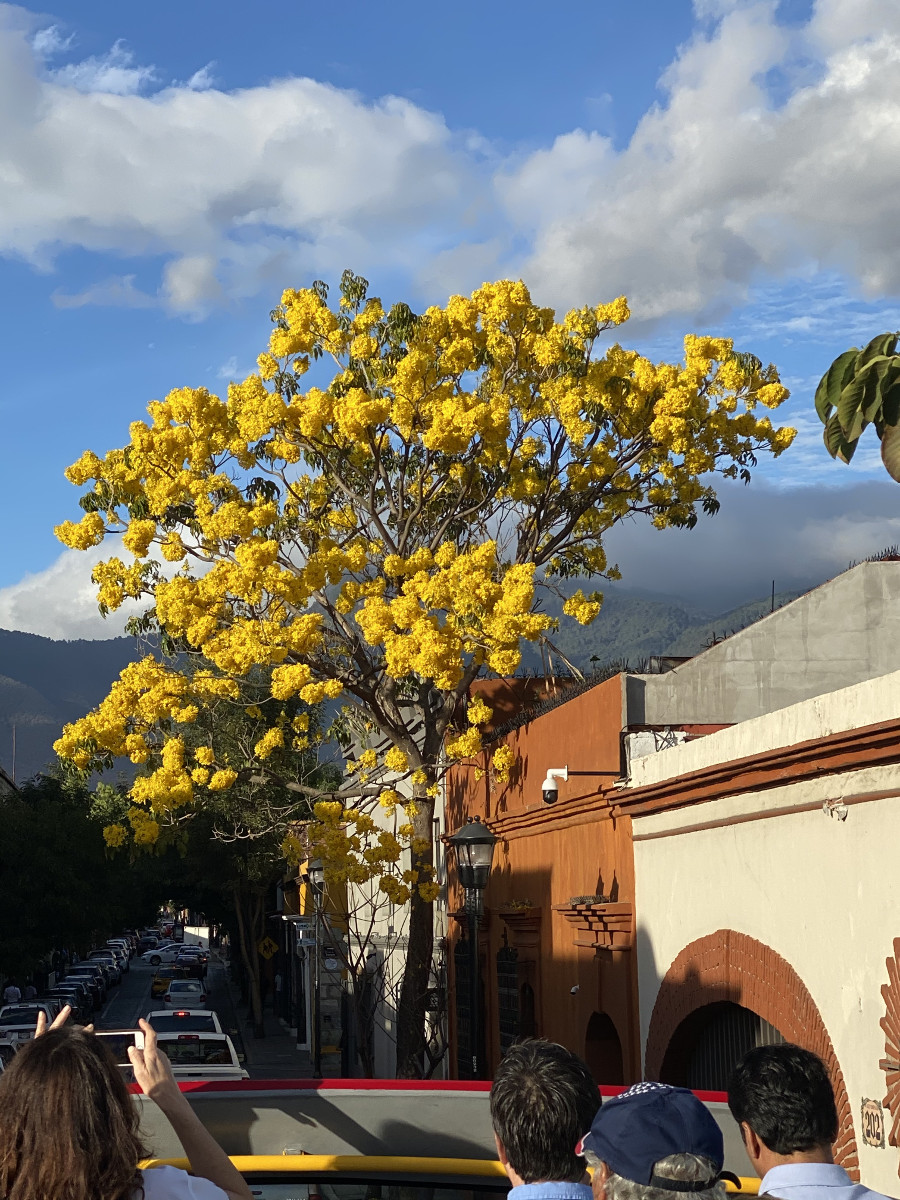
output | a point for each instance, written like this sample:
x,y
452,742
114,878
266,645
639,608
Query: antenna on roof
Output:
x,y
773,595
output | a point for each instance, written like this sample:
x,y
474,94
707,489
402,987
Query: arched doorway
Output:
x,y
707,1045
731,966
603,1050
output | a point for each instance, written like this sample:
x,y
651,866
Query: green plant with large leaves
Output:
x,y
860,388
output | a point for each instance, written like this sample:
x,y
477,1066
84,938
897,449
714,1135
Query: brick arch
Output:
x,y
727,965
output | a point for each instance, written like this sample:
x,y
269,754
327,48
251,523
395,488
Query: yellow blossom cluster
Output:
x,y
356,850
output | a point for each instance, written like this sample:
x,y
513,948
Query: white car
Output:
x,y
202,1056
186,994
161,954
185,1020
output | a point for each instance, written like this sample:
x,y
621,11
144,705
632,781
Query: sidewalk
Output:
x,y
274,1056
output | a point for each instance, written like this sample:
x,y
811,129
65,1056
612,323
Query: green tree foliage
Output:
x,y
860,388
58,885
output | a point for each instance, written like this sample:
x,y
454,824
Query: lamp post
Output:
x,y
474,846
315,877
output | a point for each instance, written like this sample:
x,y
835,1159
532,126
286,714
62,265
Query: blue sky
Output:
x,y
165,170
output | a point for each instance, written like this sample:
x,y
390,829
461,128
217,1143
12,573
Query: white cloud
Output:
x,y
722,186
116,292
237,190
113,72
228,369
797,537
190,284
50,42
202,79
61,601
775,154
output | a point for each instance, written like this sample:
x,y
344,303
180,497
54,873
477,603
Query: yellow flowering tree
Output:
x,y
382,535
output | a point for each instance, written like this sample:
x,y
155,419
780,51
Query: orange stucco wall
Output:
x,y
545,856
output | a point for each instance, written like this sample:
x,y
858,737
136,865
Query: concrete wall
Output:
x,y
848,708
843,632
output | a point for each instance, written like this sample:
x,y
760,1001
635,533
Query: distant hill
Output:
x,y
635,626
44,683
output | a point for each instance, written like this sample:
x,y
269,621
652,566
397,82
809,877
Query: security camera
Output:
x,y
573,991
550,788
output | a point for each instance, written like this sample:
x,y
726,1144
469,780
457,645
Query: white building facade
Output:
x,y
768,904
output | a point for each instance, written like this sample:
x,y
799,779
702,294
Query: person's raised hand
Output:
x,y
60,1019
152,1069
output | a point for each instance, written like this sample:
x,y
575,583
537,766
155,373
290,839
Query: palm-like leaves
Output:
x,y
860,388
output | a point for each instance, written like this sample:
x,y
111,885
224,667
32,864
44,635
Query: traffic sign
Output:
x,y
267,947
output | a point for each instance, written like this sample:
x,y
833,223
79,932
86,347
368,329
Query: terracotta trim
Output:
x,y
873,745
728,965
784,810
575,811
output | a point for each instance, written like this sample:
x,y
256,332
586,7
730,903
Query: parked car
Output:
x,y
81,987
81,1007
121,956
147,943
18,1021
159,984
120,944
186,993
92,981
95,971
107,956
107,969
185,1020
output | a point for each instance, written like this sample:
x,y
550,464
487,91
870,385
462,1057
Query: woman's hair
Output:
x,y
68,1127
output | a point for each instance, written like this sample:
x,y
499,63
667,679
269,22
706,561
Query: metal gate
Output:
x,y
508,996
725,1037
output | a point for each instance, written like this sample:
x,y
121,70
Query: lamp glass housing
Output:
x,y
315,871
474,844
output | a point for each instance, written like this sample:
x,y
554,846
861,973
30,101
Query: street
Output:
x,y
131,1000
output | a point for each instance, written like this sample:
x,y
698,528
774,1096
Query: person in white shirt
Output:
x,y
11,993
68,1126
782,1099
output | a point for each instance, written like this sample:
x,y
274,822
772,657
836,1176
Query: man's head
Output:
x,y
542,1099
655,1142
782,1099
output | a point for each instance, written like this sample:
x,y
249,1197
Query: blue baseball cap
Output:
x,y
650,1121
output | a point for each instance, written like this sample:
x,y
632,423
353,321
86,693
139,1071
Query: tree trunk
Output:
x,y
417,970
250,957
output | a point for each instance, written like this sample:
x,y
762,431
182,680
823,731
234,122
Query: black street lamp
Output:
x,y
314,875
474,846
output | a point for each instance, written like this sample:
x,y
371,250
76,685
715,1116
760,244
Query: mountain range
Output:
x,y
45,683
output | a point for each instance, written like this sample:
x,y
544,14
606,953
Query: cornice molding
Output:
x,y
871,746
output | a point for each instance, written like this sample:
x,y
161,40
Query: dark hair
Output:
x,y
68,1126
785,1096
543,1099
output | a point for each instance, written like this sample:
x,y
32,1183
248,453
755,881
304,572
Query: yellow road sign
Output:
x,y
267,947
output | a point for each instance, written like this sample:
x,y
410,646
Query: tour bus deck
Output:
x,y
342,1139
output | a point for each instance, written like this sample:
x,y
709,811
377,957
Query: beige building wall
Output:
x,y
821,891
